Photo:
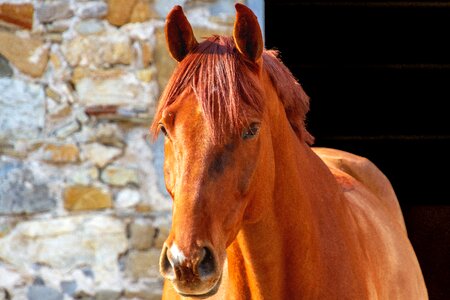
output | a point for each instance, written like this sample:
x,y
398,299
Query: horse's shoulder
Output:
x,y
361,169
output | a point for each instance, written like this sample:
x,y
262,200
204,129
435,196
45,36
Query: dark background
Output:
x,y
378,74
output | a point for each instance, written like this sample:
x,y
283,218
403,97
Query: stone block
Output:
x,y
151,290
141,235
127,198
110,47
42,292
20,14
80,197
141,12
28,53
120,176
143,264
21,192
85,176
22,105
95,9
99,154
64,153
51,11
119,11
68,243
91,26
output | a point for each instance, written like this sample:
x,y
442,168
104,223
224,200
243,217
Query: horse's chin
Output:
x,y
205,295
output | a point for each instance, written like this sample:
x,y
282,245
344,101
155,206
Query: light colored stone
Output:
x,y
144,291
80,73
67,129
142,264
20,191
127,198
91,9
10,277
122,90
51,11
22,105
99,154
67,243
58,26
17,148
138,153
147,75
28,53
142,234
109,134
83,51
85,176
87,27
81,117
80,197
120,176
20,14
119,11
53,37
61,153
85,282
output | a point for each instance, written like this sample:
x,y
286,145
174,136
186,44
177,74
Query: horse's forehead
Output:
x,y
185,108
185,117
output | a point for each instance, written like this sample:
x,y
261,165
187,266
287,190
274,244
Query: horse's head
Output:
x,y
219,161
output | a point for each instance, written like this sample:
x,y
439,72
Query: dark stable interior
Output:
x,y
378,74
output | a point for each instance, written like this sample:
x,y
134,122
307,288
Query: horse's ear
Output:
x,y
179,35
247,33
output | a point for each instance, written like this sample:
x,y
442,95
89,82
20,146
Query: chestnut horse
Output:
x,y
257,212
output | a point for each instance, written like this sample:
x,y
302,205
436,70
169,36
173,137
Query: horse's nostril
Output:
x,y
166,265
207,265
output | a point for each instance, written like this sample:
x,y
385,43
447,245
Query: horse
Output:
x,y
258,213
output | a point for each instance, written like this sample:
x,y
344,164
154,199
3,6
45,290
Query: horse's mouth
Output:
x,y
210,293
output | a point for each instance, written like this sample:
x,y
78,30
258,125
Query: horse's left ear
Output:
x,y
247,33
179,35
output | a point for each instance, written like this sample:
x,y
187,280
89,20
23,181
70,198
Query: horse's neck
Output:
x,y
284,242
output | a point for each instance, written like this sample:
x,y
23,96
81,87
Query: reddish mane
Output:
x,y
228,88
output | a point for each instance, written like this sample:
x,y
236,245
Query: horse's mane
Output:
x,y
227,86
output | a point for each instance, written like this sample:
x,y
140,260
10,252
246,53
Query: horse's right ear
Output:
x,y
179,35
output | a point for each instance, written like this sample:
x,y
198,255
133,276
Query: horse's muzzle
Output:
x,y
195,276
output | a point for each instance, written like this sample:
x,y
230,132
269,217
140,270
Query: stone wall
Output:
x,y
83,208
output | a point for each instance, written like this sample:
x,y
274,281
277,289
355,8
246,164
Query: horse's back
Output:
x,y
364,171
391,266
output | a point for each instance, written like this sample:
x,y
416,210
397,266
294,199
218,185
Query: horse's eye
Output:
x,y
163,129
251,131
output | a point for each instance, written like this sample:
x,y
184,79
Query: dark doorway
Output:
x,y
378,74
